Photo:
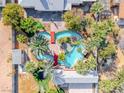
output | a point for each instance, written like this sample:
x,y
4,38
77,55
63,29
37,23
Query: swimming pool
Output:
x,y
44,57
67,33
45,34
73,56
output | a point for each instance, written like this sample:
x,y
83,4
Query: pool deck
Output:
x,y
56,27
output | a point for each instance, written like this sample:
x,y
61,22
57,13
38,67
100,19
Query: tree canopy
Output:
x,y
39,44
30,25
12,15
73,19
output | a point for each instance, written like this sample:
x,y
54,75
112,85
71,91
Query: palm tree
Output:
x,y
49,74
96,9
39,44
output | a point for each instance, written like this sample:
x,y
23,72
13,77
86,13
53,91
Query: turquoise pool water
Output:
x,y
44,57
73,56
67,33
45,34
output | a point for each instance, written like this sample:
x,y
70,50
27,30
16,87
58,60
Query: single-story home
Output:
x,y
48,5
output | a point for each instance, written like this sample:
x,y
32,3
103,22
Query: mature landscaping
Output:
x,y
93,40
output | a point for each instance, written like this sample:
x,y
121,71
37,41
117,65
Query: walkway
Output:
x,y
5,59
56,27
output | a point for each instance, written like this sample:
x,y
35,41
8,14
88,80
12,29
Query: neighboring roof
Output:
x,y
50,5
43,5
121,9
16,56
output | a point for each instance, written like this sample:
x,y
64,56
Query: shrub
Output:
x,y
73,19
21,38
30,67
64,40
84,68
110,85
12,15
61,57
96,8
108,51
30,26
107,85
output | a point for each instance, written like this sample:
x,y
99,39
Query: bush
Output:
x,y
108,51
21,38
61,57
96,8
73,19
30,26
12,15
30,67
64,40
84,68
110,85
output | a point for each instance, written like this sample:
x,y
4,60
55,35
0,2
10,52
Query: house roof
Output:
x,y
50,5
74,77
121,9
43,5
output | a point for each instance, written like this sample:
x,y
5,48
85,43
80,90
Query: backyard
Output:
x,y
80,43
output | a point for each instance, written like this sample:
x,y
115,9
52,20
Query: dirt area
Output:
x,y
5,59
120,54
27,84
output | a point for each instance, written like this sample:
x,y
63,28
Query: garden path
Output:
x,y
56,27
